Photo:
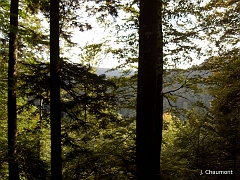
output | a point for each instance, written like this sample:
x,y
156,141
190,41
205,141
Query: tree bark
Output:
x,y
149,97
12,84
159,94
55,106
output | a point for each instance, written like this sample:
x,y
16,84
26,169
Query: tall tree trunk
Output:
x,y
12,84
55,106
149,97
39,129
159,94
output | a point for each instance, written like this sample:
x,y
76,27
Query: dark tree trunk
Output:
x,y
159,94
55,106
12,84
149,97
39,129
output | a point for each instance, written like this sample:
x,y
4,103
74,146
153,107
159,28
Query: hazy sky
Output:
x,y
97,35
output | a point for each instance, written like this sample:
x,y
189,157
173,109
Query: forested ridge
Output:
x,y
187,98
147,118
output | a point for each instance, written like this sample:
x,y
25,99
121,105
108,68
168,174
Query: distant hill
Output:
x,y
112,73
185,102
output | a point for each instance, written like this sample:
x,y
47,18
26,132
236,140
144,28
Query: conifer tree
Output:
x,y
12,84
55,105
149,116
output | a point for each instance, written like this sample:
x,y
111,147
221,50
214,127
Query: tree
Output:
x,y
4,19
219,22
12,84
55,104
148,91
95,138
223,119
27,36
171,164
159,89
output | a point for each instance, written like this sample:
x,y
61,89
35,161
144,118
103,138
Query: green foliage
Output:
x,y
3,92
208,137
98,119
224,111
97,141
172,165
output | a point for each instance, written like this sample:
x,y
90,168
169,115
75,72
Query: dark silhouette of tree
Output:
x,y
12,84
149,98
55,105
159,94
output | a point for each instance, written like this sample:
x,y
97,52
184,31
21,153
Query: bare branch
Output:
x,y
169,92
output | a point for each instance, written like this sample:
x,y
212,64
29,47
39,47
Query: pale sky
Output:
x,y
97,35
